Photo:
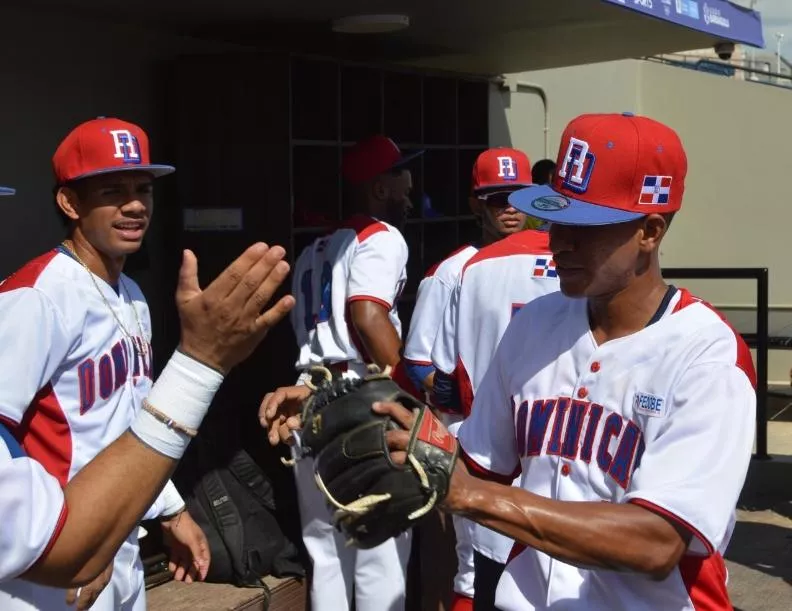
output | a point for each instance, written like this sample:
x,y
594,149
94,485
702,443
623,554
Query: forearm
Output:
x,y
105,502
377,333
167,503
619,537
108,497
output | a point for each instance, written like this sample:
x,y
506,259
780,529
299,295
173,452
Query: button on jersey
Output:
x,y
663,418
366,259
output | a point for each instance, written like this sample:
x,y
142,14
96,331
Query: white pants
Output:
x,y
463,529
125,592
378,575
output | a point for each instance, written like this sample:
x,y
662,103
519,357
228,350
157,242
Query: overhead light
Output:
x,y
371,24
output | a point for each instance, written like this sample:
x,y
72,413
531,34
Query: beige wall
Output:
x,y
737,135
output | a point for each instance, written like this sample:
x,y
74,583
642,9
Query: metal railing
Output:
x,y
761,276
726,68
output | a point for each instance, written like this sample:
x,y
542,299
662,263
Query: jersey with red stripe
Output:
x,y
663,418
365,259
493,286
434,293
71,380
32,509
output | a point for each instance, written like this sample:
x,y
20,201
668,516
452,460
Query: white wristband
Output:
x,y
183,392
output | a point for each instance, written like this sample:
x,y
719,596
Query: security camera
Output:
x,y
724,50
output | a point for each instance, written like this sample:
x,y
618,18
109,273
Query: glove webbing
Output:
x,y
364,504
346,386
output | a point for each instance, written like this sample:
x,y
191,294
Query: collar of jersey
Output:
x,y
62,249
662,309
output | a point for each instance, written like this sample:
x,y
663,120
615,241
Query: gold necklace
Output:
x,y
107,303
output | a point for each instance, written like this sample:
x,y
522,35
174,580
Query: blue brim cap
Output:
x,y
7,191
545,203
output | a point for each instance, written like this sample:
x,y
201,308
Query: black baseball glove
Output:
x,y
373,498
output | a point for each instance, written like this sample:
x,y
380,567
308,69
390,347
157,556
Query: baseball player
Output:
x,y
347,285
496,173
498,281
82,362
627,404
54,535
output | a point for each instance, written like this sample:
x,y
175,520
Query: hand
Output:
x,y
462,482
190,556
280,413
86,596
224,323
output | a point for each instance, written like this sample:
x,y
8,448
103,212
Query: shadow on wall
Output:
x,y
500,101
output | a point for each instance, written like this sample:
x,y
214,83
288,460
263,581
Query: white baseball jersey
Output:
x,y
32,509
365,259
71,381
663,418
494,285
434,293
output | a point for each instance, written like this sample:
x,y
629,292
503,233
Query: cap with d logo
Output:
x,y
499,169
101,146
611,168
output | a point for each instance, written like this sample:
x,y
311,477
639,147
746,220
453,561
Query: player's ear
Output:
x,y
652,232
380,189
68,202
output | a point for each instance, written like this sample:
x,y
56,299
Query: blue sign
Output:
x,y
719,18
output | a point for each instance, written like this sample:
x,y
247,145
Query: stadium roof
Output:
x,y
488,37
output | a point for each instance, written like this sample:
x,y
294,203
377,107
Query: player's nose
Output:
x,y
136,207
562,238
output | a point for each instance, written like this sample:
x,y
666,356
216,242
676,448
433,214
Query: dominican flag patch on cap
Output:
x,y
655,190
545,268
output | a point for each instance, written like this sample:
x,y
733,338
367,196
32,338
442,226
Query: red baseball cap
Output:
x,y
101,146
612,168
371,157
501,168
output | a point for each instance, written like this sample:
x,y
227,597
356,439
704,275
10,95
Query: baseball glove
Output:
x,y
373,498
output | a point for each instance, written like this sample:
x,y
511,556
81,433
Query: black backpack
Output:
x,y
233,501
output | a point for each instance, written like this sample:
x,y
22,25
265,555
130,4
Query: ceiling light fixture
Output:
x,y
371,24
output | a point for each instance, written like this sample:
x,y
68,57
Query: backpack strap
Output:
x,y
228,521
226,518
244,468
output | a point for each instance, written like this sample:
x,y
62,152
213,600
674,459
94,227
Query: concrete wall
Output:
x,y
737,136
